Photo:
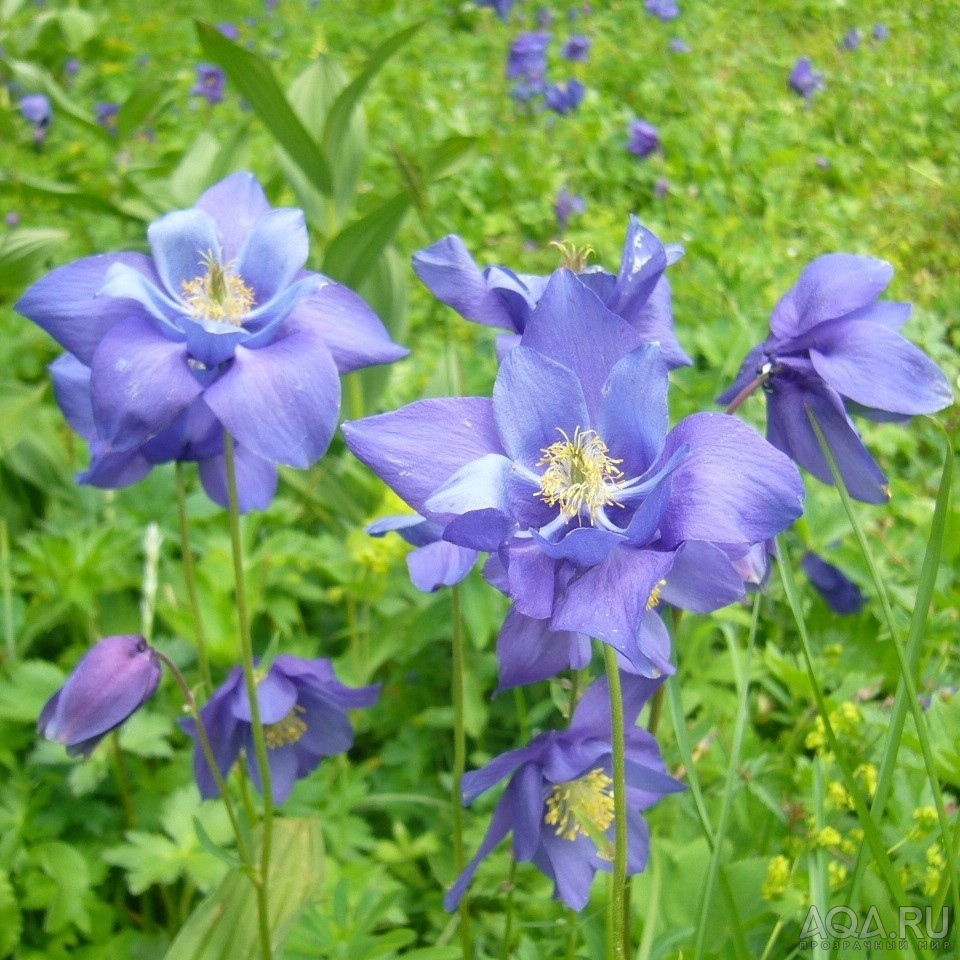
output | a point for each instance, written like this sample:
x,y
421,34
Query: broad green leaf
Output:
x,y
252,76
444,159
26,687
21,249
18,405
224,926
353,252
77,27
70,880
70,195
145,100
11,922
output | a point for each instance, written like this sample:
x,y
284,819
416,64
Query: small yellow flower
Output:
x,y
778,875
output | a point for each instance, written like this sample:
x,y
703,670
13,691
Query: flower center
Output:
x,y
286,731
580,475
573,257
219,294
582,808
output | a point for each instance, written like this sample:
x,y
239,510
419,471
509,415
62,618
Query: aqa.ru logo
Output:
x,y
841,929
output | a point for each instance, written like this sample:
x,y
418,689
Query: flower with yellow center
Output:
x,y
582,808
581,476
218,294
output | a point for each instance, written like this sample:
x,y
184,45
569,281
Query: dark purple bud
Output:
x,y
106,114
113,680
803,79
679,45
837,589
564,98
577,48
880,32
644,138
851,39
210,84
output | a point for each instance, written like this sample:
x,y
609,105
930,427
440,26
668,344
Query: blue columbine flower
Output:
x,y
803,79
851,39
106,114
837,589
527,57
115,678
564,98
303,707
565,206
222,329
559,801
499,297
434,563
572,462
36,109
663,9
577,48
644,138
834,350
502,7
211,83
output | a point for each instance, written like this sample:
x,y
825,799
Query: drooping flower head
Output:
x,y
222,329
571,463
303,707
834,349
559,801
502,7
527,57
564,98
114,679
803,79
841,594
644,138
211,83
498,297
577,48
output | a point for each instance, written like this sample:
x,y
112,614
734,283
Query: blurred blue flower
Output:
x,y
679,45
661,188
502,7
851,39
114,679
12,220
559,801
577,48
644,138
565,206
303,707
36,110
434,563
803,79
229,30
834,350
222,329
880,32
106,114
72,67
664,9
211,81
527,57
564,98
837,589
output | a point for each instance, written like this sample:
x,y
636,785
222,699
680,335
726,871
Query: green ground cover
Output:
x,y
103,858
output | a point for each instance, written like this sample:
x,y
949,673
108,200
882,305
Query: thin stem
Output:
x,y
508,919
123,781
656,709
189,574
9,632
250,680
747,391
459,765
621,929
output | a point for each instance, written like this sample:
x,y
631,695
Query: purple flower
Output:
x,y
12,220
565,206
834,350
303,707
36,110
840,592
571,464
661,188
434,563
106,114
564,98
880,32
559,801
527,58
803,79
498,297
222,329
679,45
211,81
502,7
229,30
664,9
644,138
115,678
851,39
544,18
577,49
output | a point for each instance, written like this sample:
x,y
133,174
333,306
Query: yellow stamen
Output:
x,y
580,476
286,731
219,294
654,597
581,808
573,257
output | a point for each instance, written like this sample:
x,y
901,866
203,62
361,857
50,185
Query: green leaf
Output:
x,y
252,76
18,405
11,922
144,101
444,159
70,878
27,686
70,195
353,252
224,926
21,249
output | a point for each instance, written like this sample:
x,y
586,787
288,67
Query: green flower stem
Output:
x,y
250,680
189,574
459,765
123,780
9,632
904,661
508,912
621,928
193,707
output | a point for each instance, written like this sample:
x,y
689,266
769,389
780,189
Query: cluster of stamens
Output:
x,y
654,599
581,807
580,477
286,731
573,257
218,294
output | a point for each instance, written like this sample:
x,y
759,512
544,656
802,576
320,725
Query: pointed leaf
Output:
x,y
145,100
352,253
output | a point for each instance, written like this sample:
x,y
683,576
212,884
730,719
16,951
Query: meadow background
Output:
x,y
102,858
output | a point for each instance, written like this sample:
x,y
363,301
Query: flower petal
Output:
x,y
732,488
141,383
276,697
439,564
274,251
702,579
256,480
529,651
281,401
641,267
180,241
654,323
479,485
71,386
878,368
234,204
837,589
